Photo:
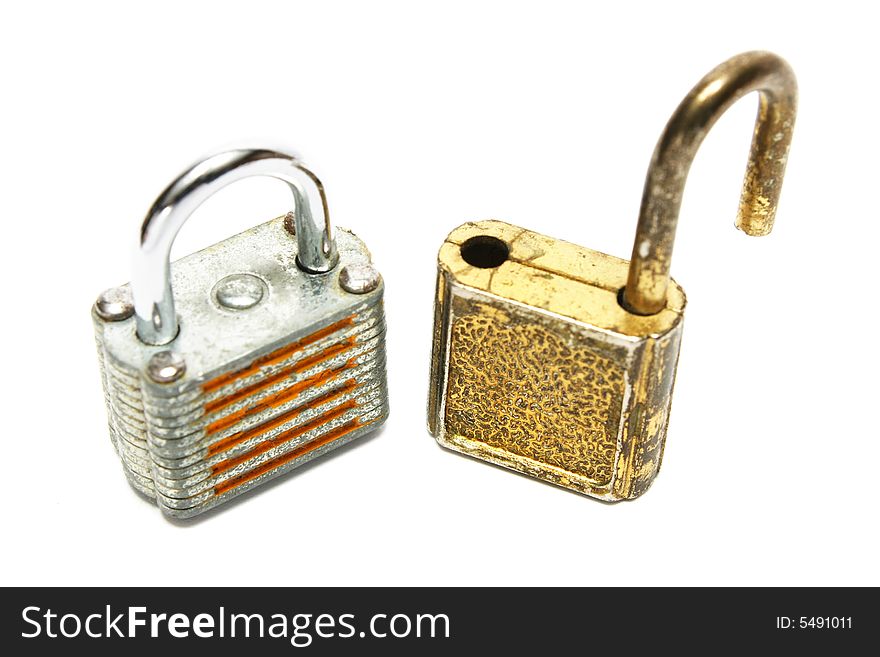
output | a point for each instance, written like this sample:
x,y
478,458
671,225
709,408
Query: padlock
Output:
x,y
269,353
557,361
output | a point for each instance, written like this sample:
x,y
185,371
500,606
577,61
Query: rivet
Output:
x,y
166,367
359,279
115,304
239,291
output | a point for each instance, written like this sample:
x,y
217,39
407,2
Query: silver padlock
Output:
x,y
269,353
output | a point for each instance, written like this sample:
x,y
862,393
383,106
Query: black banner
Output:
x,y
434,621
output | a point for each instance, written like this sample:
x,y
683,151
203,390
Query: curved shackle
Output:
x,y
151,280
773,79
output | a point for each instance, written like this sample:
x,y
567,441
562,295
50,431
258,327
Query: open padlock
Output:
x,y
558,361
269,352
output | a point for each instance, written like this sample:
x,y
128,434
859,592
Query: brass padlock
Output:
x,y
270,352
558,361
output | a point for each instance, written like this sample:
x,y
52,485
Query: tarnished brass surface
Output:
x,y
538,373
558,361
773,79
536,366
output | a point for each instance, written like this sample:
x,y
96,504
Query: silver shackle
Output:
x,y
151,280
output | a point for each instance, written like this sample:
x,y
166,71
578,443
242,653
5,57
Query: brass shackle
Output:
x,y
773,79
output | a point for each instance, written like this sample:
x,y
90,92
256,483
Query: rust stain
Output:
x,y
290,434
279,398
276,356
300,366
243,436
286,458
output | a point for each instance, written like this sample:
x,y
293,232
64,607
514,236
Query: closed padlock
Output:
x,y
269,353
557,361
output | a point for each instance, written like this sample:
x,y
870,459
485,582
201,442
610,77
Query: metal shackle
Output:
x,y
773,79
151,280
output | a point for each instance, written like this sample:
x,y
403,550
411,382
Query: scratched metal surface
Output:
x,y
203,440
537,368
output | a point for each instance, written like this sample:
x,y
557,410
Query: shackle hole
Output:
x,y
485,251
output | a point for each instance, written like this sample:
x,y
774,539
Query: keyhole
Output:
x,y
484,251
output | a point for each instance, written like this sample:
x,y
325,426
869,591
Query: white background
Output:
x,y
419,119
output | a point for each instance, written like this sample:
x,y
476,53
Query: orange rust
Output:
x,y
277,462
297,367
283,353
243,436
284,437
275,400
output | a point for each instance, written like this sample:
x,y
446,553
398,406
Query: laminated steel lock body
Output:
x,y
558,361
269,353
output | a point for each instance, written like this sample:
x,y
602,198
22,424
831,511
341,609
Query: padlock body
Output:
x,y
267,387
536,367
